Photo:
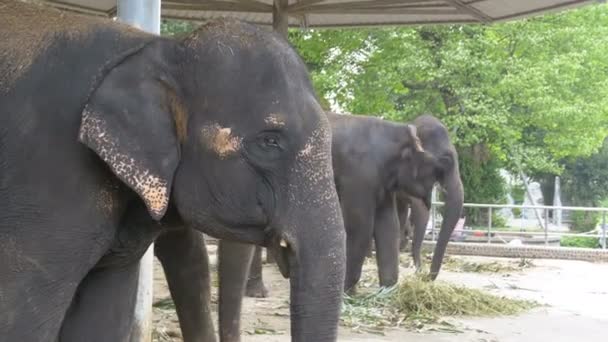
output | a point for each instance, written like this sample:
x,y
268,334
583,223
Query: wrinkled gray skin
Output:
x,y
376,216
110,136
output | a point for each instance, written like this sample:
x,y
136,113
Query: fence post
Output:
x,y
603,230
546,227
521,219
489,224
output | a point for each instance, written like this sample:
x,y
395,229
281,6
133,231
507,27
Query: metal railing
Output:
x,y
545,225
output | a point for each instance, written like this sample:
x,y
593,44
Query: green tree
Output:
x,y
173,28
529,93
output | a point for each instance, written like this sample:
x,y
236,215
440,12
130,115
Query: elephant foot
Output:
x,y
256,289
352,291
403,246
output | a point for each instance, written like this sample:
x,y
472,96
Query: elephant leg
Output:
x,y
183,254
269,256
358,215
255,281
386,235
36,290
404,223
370,250
234,262
103,307
420,217
404,233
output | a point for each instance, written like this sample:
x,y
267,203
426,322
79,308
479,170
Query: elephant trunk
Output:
x,y
454,199
312,254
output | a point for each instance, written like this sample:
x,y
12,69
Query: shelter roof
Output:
x,y
337,13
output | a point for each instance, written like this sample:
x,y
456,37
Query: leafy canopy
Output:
x,y
532,91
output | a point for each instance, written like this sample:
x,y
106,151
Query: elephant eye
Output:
x,y
271,141
267,146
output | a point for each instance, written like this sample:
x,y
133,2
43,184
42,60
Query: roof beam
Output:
x,y
75,8
382,11
256,2
466,8
216,5
304,5
223,6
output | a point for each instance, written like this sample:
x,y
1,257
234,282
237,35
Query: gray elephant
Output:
x,y
110,137
424,147
368,159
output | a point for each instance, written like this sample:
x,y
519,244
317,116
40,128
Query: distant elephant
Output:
x,y
110,137
376,158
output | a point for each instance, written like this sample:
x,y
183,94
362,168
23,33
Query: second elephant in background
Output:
x,y
373,160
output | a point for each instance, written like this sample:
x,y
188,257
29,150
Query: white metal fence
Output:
x,y
545,225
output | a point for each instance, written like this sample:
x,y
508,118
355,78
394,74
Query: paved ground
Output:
x,y
576,292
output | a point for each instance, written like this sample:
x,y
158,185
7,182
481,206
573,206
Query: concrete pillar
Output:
x,y
145,15
557,202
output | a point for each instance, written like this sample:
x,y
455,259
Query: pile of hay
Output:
x,y
415,303
461,265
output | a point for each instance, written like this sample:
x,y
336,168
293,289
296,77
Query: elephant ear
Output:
x,y
130,121
416,143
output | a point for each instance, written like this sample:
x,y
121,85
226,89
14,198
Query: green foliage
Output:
x,y
585,180
580,241
497,220
584,221
532,91
173,28
482,183
518,193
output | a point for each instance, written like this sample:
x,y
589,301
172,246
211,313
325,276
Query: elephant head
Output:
x,y
223,126
434,159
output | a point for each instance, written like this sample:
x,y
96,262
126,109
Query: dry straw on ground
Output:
x,y
422,305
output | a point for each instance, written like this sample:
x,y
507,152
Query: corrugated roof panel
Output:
x,y
517,8
329,13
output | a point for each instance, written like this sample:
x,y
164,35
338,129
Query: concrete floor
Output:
x,y
575,292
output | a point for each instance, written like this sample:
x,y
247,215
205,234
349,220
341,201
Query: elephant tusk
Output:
x,y
283,243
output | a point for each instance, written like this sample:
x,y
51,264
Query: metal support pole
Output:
x,y
145,15
490,225
433,209
280,19
604,230
546,227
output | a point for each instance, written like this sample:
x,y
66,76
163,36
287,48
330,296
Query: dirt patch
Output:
x,y
574,290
